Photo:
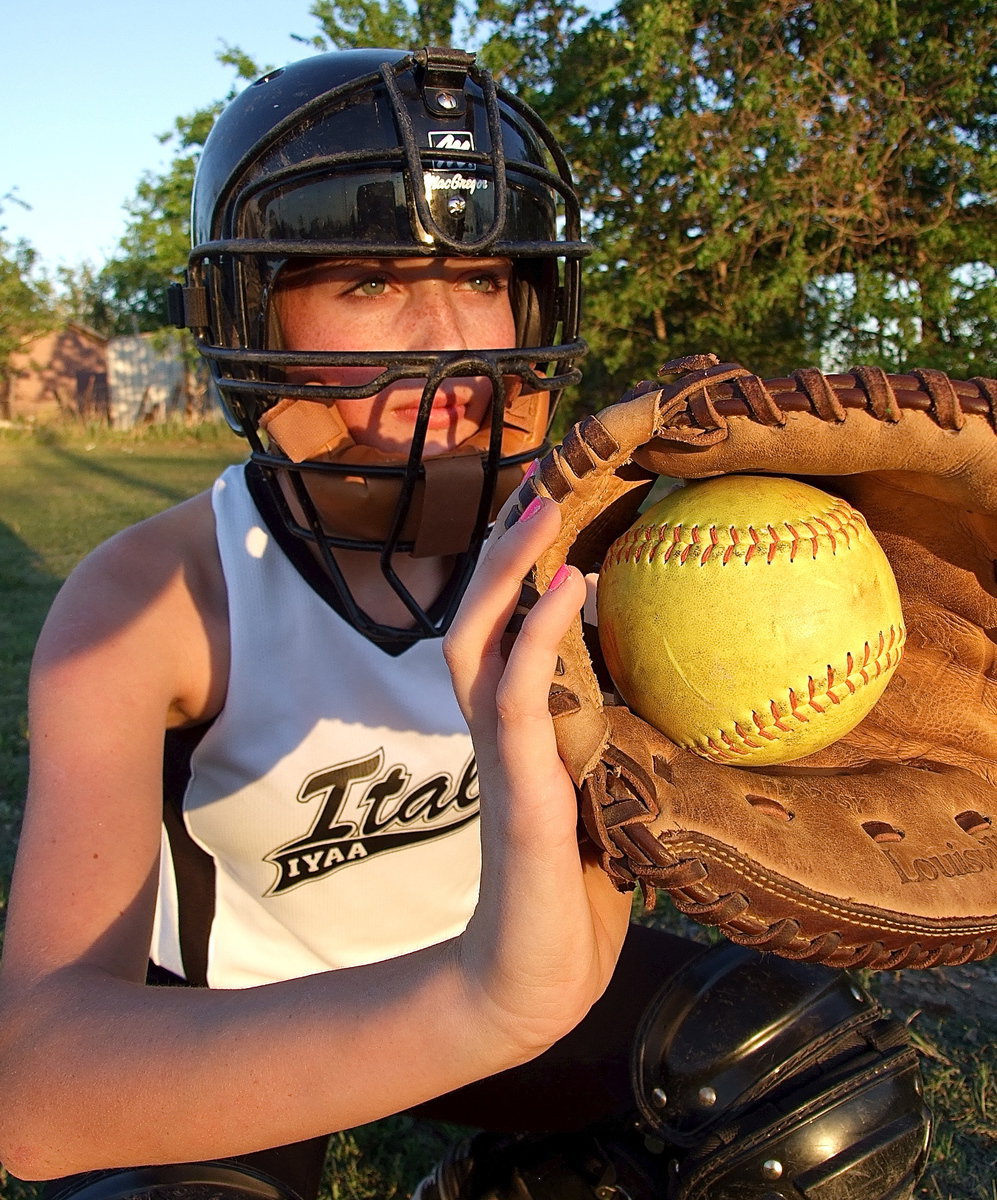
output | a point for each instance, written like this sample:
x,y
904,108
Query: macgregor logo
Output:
x,y
457,142
948,864
447,139
455,182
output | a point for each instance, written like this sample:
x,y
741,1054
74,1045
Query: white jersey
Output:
x,y
328,816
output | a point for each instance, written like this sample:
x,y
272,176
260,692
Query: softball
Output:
x,y
752,619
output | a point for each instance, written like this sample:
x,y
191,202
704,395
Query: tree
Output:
x,y
129,293
25,305
354,23
777,182
514,40
768,179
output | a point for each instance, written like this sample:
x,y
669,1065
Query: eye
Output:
x,y
486,281
375,285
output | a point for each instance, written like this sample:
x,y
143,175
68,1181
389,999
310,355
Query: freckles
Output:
x,y
311,321
320,329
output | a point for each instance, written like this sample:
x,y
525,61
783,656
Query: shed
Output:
x,y
60,373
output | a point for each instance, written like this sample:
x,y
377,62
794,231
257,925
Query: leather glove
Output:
x,y
880,850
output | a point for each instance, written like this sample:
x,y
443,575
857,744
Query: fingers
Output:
x,y
505,700
525,732
473,647
548,927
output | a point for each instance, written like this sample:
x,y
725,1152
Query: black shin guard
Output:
x,y
755,1078
768,1079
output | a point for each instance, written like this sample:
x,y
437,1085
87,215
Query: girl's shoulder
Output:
x,y
154,591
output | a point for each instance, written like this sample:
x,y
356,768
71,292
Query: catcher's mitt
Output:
x,y
880,851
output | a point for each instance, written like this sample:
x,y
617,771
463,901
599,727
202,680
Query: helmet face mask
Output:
x,y
382,154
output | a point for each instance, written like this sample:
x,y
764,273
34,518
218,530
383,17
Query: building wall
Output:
x,y
123,381
147,381
62,373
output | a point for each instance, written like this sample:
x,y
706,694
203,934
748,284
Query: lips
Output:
x,y
450,403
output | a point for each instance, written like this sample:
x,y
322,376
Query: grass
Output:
x,y
63,490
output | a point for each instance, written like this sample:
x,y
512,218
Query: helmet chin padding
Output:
x,y
440,518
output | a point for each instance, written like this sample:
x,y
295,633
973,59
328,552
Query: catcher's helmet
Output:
x,y
383,154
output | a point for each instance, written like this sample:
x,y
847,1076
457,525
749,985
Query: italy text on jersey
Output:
x,y
366,809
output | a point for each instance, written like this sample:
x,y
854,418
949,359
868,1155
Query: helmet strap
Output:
x,y
446,527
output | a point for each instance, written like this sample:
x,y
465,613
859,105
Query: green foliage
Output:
x,y
129,294
737,161
25,299
25,302
781,183
386,23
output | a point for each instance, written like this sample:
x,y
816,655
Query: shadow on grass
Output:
x,y
81,463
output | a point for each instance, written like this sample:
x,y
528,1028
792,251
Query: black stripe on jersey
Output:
x,y
194,867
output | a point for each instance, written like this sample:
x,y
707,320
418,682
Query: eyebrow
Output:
x,y
308,271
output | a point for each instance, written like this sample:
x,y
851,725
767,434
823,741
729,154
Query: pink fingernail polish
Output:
x,y
560,575
531,469
531,509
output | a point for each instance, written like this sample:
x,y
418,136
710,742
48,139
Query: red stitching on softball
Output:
x,y
891,646
745,738
711,547
830,533
661,534
693,546
648,543
814,538
777,718
794,707
730,744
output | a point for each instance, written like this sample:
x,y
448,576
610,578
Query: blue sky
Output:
x,y
85,89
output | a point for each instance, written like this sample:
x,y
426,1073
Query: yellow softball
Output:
x,y
752,619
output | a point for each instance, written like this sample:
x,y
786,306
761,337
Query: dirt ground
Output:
x,y
967,993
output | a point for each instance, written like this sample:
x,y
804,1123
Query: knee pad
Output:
x,y
178,1181
764,1079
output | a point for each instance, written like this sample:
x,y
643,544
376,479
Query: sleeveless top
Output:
x,y
327,817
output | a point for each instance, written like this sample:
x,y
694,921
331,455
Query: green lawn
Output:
x,y
64,490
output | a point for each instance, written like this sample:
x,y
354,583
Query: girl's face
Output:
x,y
399,304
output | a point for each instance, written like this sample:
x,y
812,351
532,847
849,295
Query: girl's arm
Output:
x,y
100,1070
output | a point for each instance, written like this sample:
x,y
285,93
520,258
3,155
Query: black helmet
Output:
x,y
383,154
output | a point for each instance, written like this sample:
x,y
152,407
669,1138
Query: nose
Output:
x,y
435,319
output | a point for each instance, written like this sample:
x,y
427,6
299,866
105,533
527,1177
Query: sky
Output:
x,y
86,88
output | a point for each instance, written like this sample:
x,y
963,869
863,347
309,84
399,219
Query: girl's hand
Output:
x,y
544,939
